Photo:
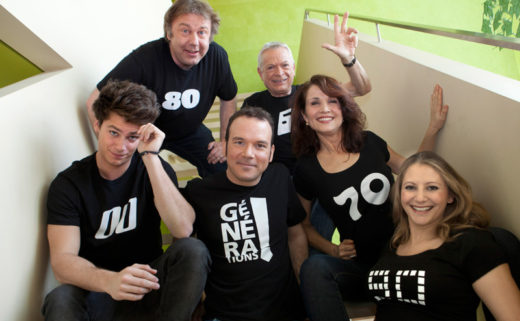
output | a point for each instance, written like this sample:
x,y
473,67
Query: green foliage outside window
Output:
x,y
501,17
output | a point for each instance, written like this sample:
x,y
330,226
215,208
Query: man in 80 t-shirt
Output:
x,y
249,217
186,70
104,215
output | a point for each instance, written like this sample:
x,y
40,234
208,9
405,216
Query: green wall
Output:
x,y
247,24
14,67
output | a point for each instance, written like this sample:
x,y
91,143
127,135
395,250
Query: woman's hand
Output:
x,y
438,111
346,250
345,40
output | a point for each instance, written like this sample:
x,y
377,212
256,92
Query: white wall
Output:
x,y
44,126
480,138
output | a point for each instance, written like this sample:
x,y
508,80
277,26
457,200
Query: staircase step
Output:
x,y
184,170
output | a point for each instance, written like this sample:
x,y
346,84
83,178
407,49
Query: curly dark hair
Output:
x,y
304,139
135,103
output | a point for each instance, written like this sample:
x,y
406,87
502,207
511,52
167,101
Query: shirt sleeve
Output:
x,y
380,144
296,213
127,69
479,253
228,88
301,180
171,173
62,203
188,193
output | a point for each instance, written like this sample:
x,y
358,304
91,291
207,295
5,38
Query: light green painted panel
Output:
x,y
14,67
247,24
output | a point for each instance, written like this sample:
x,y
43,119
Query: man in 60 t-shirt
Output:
x,y
186,70
277,69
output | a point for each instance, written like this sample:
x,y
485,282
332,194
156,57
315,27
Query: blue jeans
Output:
x,y
321,221
326,281
182,272
194,149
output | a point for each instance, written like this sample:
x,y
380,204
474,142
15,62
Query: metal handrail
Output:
x,y
492,40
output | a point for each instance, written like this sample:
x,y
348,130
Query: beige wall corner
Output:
x,y
480,138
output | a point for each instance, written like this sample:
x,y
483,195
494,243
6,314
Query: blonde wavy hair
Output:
x,y
462,213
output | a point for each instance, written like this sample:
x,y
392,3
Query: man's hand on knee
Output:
x,y
133,282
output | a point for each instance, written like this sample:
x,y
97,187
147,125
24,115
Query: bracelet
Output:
x,y
146,152
350,64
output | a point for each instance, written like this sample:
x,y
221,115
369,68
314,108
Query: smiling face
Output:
x,y
424,196
189,39
117,142
248,150
277,71
322,113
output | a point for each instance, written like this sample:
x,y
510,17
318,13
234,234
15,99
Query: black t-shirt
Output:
x,y
435,284
186,96
245,230
118,221
357,198
280,110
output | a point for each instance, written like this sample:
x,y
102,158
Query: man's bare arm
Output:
x,y
175,211
131,283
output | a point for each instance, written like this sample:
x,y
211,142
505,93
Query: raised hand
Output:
x,y
345,40
438,111
150,138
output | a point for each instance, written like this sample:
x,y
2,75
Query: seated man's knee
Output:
x,y
190,250
63,298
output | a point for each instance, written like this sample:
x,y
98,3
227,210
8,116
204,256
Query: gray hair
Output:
x,y
273,45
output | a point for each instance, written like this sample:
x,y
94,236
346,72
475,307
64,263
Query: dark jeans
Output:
x,y
326,281
182,272
321,221
194,149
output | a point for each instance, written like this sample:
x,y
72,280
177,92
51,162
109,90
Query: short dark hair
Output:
x,y
198,7
135,103
304,138
252,112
